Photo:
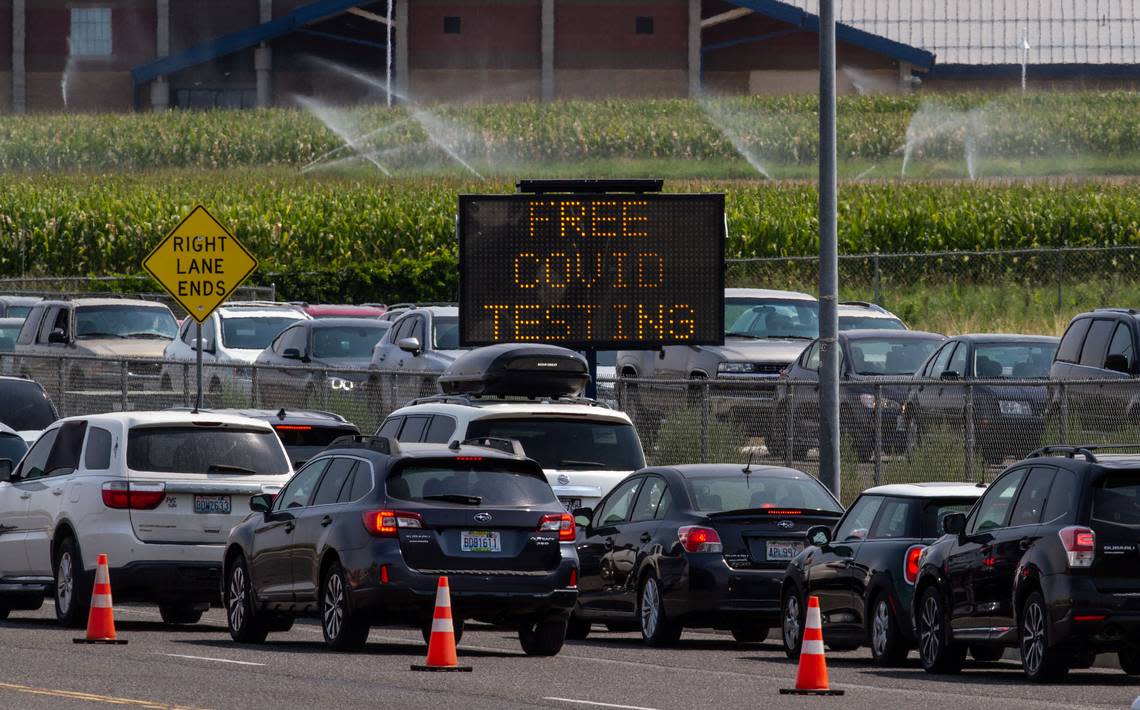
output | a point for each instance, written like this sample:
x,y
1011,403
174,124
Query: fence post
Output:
x,y
878,296
59,363
124,400
273,291
1060,278
969,412
789,425
254,395
1063,394
323,391
705,421
878,434
185,384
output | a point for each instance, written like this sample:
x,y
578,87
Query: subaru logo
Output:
x,y
483,517
785,524
563,479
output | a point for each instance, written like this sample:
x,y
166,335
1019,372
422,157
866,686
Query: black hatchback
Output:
x,y
363,532
695,546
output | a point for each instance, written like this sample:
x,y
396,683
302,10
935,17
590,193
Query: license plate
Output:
x,y
212,504
781,551
571,504
480,541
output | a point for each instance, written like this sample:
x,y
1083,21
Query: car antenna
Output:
x,y
748,468
281,414
454,445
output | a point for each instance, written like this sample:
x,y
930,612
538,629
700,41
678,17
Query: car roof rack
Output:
x,y
497,443
864,304
382,444
474,400
424,304
1086,450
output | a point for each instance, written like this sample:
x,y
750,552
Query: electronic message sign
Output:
x,y
605,271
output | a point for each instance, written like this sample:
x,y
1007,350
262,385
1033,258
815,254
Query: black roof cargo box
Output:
x,y
516,370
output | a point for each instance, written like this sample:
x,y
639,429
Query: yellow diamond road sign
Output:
x,y
200,263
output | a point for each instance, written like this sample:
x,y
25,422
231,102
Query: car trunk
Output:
x,y
766,538
1115,518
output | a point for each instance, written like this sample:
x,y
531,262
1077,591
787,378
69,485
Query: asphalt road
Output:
x,y
200,667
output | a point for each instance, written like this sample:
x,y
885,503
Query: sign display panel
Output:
x,y
604,271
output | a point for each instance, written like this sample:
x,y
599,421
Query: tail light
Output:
x,y
133,495
910,563
1080,545
573,577
387,523
562,523
695,538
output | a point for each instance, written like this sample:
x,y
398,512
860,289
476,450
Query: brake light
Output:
x,y
468,458
910,563
1080,545
573,577
562,523
781,511
126,495
695,538
387,523
293,427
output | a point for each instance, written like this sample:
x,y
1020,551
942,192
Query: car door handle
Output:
x,y
1024,544
25,496
289,527
326,521
57,491
646,537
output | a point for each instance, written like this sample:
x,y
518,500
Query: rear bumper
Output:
x,y
709,593
1083,615
167,581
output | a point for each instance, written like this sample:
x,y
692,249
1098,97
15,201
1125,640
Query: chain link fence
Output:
x,y
894,430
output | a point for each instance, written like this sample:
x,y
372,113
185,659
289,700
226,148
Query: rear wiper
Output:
x,y
227,468
456,498
582,464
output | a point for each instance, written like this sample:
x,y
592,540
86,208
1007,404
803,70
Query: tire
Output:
x,y
750,634
342,629
246,623
544,637
456,624
180,613
657,629
72,591
578,628
987,654
888,647
4,611
1041,662
793,615
932,627
1129,657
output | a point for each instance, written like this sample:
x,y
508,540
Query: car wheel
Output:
x,y
792,623
342,629
937,653
1041,661
246,623
657,629
180,613
888,647
72,593
578,628
544,637
456,625
987,654
1129,657
750,634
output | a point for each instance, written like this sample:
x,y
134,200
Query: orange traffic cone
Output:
x,y
441,644
811,679
101,619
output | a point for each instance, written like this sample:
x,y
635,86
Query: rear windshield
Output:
x,y
25,406
347,341
749,492
934,511
200,449
1116,499
889,356
306,435
568,444
869,323
1018,360
250,333
12,447
467,485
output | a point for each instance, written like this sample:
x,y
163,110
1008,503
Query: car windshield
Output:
x,y
567,444
869,323
889,356
1013,360
8,334
773,318
936,510
445,333
204,449
24,406
17,311
347,341
492,483
12,447
751,491
304,441
1116,499
252,332
97,322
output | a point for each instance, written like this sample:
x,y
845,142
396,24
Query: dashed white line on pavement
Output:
x,y
215,660
600,705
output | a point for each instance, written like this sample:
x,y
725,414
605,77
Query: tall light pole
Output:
x,y
828,257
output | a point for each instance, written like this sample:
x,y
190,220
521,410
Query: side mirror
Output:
x,y
950,375
409,345
6,467
954,524
57,336
583,516
819,535
207,346
291,354
661,354
1116,363
261,503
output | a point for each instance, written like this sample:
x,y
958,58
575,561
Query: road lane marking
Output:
x,y
89,697
215,660
601,705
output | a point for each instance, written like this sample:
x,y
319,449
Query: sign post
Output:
x,y
200,263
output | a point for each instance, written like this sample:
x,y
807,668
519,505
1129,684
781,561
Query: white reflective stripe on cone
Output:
x,y
442,598
442,626
102,576
813,621
812,648
100,601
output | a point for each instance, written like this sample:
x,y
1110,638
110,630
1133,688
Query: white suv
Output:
x,y
584,448
156,491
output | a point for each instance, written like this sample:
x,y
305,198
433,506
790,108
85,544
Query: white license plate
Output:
x,y
480,541
212,504
571,504
780,551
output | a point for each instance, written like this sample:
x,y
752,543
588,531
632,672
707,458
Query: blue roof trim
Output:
x,y
919,58
1051,71
237,41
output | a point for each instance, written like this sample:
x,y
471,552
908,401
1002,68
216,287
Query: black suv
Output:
x,y
1048,561
363,532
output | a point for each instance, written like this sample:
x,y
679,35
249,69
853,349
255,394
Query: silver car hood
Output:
x,y
769,350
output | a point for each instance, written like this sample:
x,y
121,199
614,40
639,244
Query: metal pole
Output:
x,y
124,400
388,61
969,411
878,434
789,423
828,257
198,365
705,448
1060,280
1063,395
878,296
592,369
